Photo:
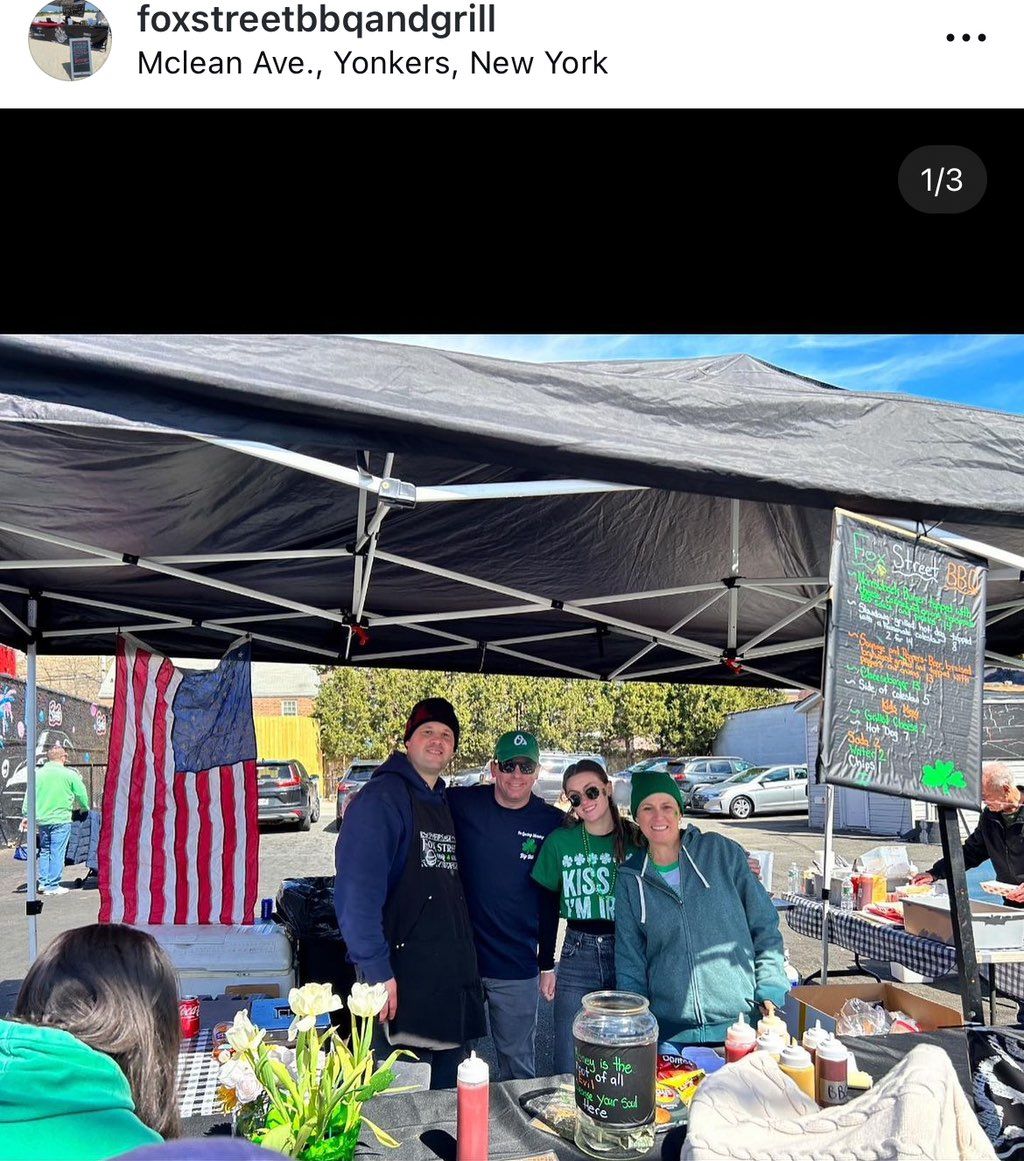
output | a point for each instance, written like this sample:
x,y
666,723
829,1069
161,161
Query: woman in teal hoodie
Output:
x,y
87,1065
696,932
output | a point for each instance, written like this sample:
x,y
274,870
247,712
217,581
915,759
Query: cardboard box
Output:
x,y
813,1002
994,926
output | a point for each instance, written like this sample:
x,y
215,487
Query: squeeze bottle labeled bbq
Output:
x,y
831,1064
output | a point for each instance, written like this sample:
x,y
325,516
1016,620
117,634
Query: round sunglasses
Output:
x,y
526,765
591,792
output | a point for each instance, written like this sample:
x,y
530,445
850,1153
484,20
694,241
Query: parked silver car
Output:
x,y
759,790
553,764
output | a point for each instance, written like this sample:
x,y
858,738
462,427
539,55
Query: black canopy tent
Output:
x,y
658,521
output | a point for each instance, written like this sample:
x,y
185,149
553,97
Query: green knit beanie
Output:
x,y
648,782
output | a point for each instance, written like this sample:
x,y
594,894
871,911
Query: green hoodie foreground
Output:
x,y
61,1100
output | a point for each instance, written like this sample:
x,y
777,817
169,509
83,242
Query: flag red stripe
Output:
x,y
205,844
227,810
252,840
181,851
129,881
158,875
110,785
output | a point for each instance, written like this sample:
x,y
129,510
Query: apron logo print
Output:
x,y
438,850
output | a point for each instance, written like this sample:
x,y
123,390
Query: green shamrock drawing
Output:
x,y
943,776
529,846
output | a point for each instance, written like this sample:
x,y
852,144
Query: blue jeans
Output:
x,y
512,1016
587,965
53,844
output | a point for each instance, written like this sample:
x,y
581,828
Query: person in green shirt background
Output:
x,y
58,788
580,861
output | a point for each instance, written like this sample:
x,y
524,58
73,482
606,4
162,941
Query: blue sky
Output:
x,y
981,370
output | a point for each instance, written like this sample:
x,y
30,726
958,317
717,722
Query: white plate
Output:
x,y
994,887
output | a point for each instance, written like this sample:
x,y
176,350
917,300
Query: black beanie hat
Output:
x,y
433,709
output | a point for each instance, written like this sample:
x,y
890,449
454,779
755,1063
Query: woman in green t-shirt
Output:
x,y
580,861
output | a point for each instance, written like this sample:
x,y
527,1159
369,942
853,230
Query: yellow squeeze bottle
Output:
x,y
796,1063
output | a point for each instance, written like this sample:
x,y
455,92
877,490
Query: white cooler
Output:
x,y
211,958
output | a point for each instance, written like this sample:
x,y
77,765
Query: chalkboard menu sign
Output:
x,y
903,665
615,1085
81,57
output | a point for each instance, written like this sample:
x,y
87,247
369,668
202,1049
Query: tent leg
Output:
x,y
32,901
960,913
826,872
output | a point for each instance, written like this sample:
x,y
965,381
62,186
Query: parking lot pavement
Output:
x,y
285,853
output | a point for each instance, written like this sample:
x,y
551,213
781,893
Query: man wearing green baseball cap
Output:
x,y
499,830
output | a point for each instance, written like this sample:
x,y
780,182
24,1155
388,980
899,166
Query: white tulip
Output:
x,y
367,999
308,1002
243,1035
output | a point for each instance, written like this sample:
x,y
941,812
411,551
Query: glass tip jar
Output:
x,y
615,1049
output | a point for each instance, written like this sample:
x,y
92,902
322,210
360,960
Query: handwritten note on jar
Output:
x,y
615,1085
904,665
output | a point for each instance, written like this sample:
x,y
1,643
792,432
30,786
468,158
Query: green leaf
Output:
x,y
956,780
937,775
280,1138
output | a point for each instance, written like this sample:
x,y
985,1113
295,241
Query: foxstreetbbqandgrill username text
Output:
x,y
437,23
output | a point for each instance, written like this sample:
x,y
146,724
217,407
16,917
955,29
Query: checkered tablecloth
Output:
x,y
197,1076
888,944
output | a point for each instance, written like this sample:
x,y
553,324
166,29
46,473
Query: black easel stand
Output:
x,y
960,913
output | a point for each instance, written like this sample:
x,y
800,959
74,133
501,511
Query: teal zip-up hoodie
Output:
x,y
62,1100
703,956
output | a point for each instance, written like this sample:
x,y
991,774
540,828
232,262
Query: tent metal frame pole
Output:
x,y
669,669
1014,608
543,637
413,619
33,904
965,543
652,594
791,681
806,607
177,573
362,467
674,628
357,660
188,558
109,606
17,620
313,466
751,582
1009,662
734,571
778,595
786,647
551,664
680,644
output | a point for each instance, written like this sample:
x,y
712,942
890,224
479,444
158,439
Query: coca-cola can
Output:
x,y
188,1011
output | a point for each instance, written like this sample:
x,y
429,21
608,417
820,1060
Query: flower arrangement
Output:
x,y
307,1101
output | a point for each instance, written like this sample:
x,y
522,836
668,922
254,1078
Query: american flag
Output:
x,y
179,841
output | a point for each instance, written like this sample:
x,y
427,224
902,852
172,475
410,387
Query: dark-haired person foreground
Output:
x,y
579,861
88,1062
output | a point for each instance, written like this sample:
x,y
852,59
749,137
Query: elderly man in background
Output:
x,y
999,835
58,788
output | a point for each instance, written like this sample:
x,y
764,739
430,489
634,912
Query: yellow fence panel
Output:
x,y
281,737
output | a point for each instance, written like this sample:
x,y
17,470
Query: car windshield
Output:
x,y
748,775
360,774
274,771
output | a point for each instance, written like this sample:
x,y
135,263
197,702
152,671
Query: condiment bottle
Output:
x,y
831,1064
772,1023
472,1109
771,1042
740,1039
796,1063
814,1037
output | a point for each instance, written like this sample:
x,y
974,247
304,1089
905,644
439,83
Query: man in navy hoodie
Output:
x,y
399,899
500,829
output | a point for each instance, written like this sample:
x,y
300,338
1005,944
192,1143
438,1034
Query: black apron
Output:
x,y
427,927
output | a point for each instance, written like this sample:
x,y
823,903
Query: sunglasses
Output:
x,y
526,765
591,792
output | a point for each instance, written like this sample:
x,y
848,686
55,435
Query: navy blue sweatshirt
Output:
x,y
515,921
369,859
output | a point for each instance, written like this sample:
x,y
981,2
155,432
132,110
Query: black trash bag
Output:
x,y
306,906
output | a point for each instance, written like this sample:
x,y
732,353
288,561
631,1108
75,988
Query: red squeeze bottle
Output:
x,y
472,1109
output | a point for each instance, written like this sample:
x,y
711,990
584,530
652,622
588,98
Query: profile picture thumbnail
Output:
x,y
69,39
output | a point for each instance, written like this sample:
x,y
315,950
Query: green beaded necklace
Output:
x,y
586,851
